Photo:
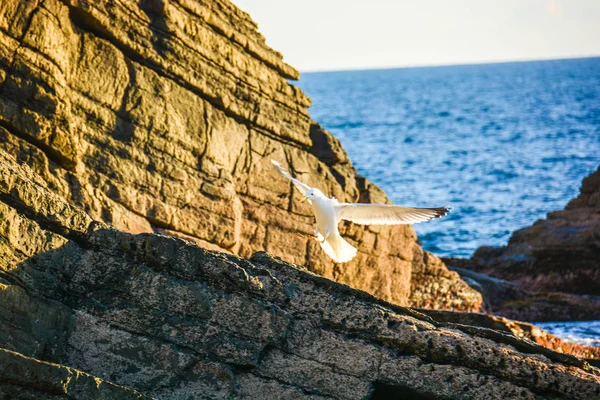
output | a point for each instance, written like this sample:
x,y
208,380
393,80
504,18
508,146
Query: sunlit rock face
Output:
x,y
162,116
91,312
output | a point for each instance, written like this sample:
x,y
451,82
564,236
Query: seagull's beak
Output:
x,y
303,199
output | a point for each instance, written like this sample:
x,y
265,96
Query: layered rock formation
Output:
x,y
172,320
558,254
159,118
162,116
549,271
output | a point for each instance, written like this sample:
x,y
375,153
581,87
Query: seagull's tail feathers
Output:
x,y
338,249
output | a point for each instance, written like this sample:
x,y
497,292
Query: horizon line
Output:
x,y
458,64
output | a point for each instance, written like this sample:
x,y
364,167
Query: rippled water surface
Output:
x,y
503,144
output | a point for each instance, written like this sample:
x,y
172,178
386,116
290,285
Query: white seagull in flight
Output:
x,y
328,213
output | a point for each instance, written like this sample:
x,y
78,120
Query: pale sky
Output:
x,y
317,35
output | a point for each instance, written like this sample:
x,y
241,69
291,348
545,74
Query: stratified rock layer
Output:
x,y
558,254
172,320
162,116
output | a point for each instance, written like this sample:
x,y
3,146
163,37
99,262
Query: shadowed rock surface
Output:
x,y
26,378
172,320
162,116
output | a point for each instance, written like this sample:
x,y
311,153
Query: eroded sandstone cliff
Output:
x,y
162,116
172,320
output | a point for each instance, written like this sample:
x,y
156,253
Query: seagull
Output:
x,y
329,212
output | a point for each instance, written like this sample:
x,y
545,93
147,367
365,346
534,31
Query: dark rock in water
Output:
x,y
511,300
558,254
162,116
172,320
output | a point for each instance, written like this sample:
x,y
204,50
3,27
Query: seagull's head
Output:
x,y
313,193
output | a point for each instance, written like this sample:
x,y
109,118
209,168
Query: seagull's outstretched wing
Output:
x,y
387,214
303,188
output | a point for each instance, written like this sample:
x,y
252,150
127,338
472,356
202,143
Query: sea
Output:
x,y
502,144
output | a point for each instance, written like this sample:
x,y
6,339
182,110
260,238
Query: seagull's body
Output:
x,y
326,231
329,212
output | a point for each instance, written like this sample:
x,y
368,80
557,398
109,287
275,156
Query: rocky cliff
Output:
x,y
560,253
162,116
517,301
161,316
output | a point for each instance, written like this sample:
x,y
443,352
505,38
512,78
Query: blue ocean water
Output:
x,y
502,144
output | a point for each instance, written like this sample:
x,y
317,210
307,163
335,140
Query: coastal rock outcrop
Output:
x,y
548,271
560,253
519,329
169,319
162,116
